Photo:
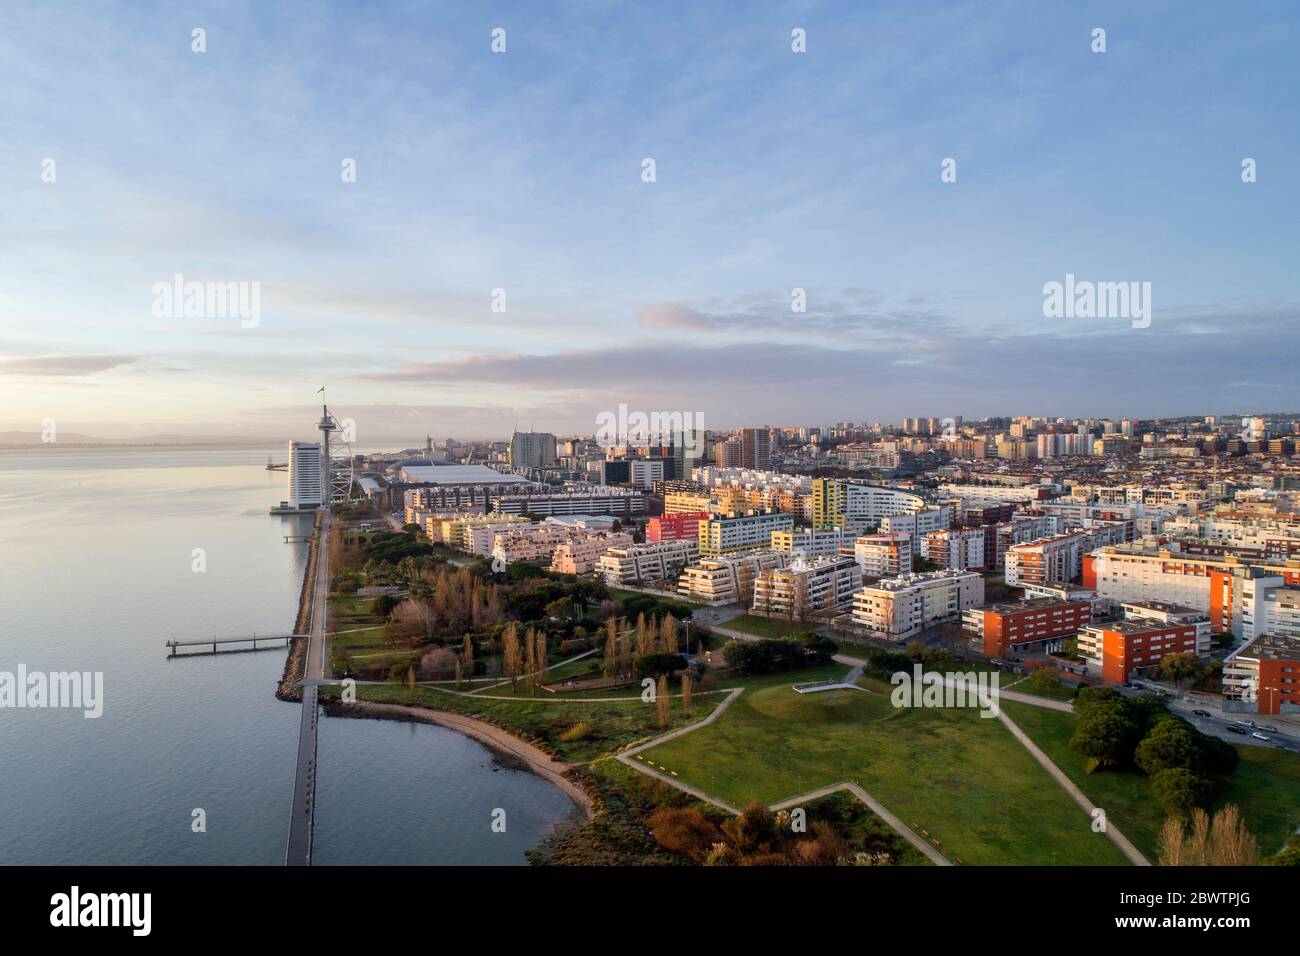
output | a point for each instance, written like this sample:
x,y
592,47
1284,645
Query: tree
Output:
x,y
1178,668
1180,791
510,654
684,831
662,700
467,655
1104,733
1045,680
657,665
753,829
611,648
1171,744
1289,854
1221,841
686,693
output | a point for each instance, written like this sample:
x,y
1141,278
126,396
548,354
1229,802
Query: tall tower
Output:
x,y
327,425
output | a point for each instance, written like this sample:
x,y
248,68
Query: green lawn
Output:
x,y
349,611
766,626
1060,691
1266,785
610,725
962,778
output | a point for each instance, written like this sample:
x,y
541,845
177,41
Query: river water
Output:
x,y
97,570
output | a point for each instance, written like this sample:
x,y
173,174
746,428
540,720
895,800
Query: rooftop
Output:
x,y
460,475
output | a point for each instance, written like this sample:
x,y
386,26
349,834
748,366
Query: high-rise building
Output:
x,y
306,481
755,449
688,453
532,450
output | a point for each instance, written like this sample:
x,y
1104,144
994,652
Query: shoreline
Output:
x,y
501,742
506,747
295,662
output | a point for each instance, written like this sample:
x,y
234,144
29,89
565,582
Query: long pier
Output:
x,y
266,641
302,811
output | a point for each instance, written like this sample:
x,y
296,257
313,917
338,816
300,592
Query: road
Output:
x,y
303,810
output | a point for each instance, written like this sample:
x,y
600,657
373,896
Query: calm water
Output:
x,y
96,555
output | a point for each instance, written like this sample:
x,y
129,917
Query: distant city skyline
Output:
x,y
522,172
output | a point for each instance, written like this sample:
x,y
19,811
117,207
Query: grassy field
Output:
x,y
766,626
960,777
349,611
607,725
367,649
1266,785
1021,685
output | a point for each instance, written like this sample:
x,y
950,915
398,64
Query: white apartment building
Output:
x,y
645,473
653,561
898,608
533,543
305,475
615,502
883,555
918,524
580,555
810,542
1059,557
859,507
728,579
1021,493
724,534
959,548
807,586
457,529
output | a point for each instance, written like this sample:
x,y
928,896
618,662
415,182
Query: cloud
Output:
x,y
64,365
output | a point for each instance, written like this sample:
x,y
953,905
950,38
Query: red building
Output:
x,y
1018,625
1117,650
682,527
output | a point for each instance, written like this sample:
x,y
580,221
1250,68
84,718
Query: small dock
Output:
x,y
296,538
219,645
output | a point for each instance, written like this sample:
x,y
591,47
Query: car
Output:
x,y
1258,736
1234,729
1268,729
1245,723
1201,713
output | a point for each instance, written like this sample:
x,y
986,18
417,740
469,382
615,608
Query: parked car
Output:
x,y
1233,728
1258,736
1202,713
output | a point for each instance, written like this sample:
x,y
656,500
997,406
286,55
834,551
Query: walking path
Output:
x,y
876,807
1128,849
302,812
630,757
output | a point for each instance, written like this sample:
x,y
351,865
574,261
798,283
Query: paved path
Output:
x,y
631,758
302,812
1128,849
876,807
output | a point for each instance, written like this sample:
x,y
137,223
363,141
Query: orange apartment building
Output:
x,y
1115,651
1021,626
1265,672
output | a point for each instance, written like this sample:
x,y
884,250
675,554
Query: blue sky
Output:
x,y
522,171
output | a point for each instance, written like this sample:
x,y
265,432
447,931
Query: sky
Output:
x,y
523,171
